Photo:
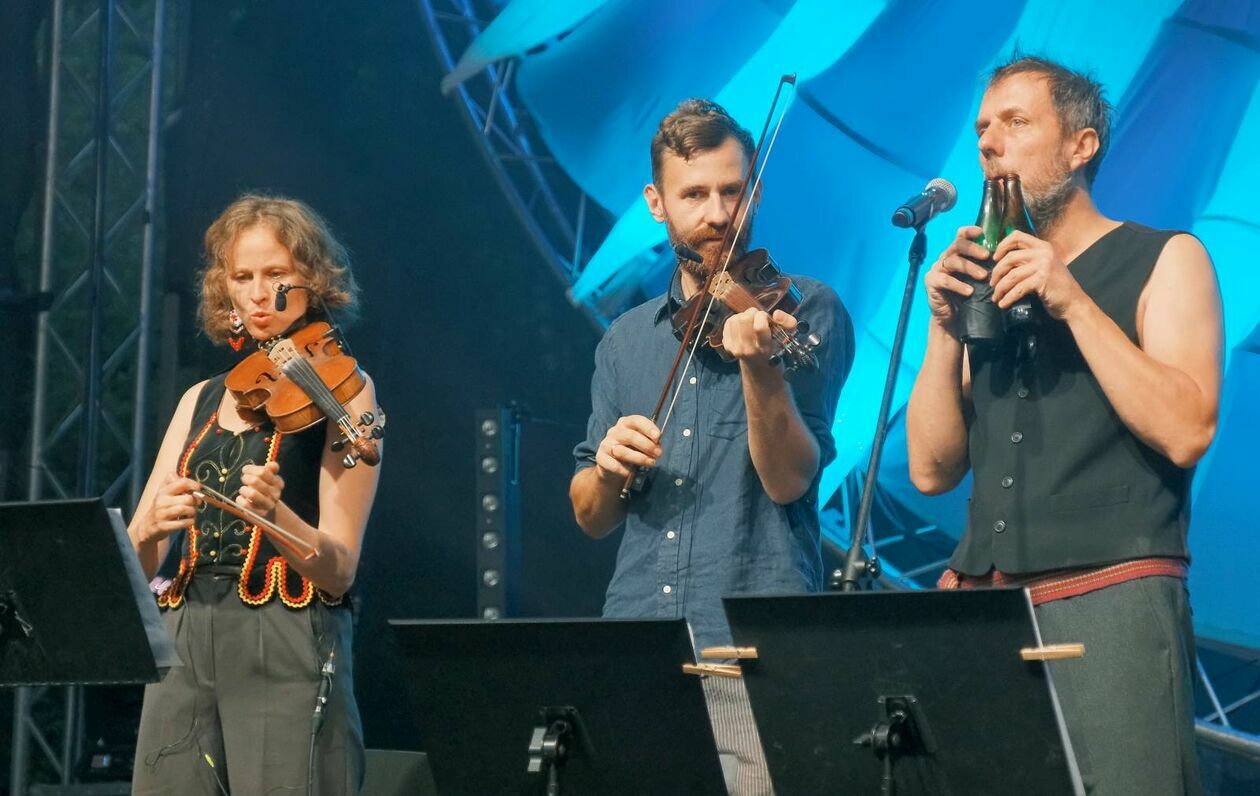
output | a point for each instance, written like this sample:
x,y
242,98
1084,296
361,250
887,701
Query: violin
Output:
x,y
752,282
303,378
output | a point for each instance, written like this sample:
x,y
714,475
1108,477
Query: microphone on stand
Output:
x,y
938,197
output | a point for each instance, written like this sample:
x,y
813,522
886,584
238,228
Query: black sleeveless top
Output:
x,y
1060,481
216,457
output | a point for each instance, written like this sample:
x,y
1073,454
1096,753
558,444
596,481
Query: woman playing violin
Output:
x,y
263,633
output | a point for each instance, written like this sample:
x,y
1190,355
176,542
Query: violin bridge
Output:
x,y
721,285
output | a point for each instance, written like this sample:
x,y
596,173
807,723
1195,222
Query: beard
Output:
x,y
707,242
1047,196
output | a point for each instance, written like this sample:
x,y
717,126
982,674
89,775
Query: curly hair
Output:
x,y
696,125
322,262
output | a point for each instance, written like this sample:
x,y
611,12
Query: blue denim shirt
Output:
x,y
704,527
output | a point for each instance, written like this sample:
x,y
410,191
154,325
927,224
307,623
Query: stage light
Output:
x,y
497,520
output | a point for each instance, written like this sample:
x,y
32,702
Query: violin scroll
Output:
x,y
361,439
797,352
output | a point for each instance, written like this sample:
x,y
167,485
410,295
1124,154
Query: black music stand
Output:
x,y
927,686
74,604
576,706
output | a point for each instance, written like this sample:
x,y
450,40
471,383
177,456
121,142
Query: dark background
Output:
x,y
337,104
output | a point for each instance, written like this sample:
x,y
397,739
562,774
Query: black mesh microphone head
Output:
x,y
282,297
685,252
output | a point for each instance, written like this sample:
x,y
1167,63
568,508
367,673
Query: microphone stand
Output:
x,y
858,569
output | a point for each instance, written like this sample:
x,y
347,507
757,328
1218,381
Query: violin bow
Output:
x,y
690,340
300,547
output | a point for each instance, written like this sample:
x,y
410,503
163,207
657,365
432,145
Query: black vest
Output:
x,y
1060,481
217,457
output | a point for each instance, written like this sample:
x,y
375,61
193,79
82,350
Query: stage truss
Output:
x,y
564,223
90,418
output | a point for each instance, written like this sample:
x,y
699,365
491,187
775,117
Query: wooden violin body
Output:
x,y
299,380
752,282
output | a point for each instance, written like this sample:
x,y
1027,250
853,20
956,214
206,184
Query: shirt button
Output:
x,y
686,432
214,553
1017,437
667,589
1007,481
216,534
692,380
1022,392
670,535
677,482
999,526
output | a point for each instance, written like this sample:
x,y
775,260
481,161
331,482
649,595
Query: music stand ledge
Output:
x,y
559,706
903,692
74,604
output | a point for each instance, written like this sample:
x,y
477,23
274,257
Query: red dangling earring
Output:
x,y
237,337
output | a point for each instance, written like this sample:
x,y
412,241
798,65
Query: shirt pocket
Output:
x,y
729,428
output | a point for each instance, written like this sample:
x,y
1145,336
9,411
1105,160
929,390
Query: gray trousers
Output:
x,y
735,731
1129,703
244,700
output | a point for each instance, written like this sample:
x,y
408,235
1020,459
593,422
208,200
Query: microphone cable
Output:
x,y
321,712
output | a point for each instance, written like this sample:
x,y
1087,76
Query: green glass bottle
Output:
x,y
980,320
1028,310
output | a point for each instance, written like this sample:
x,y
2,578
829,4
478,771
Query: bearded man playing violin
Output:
x,y
262,632
730,504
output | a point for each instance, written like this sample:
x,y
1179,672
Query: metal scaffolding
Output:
x,y
565,224
92,349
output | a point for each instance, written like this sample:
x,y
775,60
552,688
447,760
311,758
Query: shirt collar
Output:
x,y
672,300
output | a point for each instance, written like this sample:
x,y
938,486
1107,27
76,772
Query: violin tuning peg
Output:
x,y
338,445
366,418
377,432
813,341
349,461
802,327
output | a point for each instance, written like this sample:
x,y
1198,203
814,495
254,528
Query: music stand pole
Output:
x,y
857,567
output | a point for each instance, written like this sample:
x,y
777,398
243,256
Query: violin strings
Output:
x,y
301,371
739,229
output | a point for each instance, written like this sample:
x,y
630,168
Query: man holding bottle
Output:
x,y
1082,445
